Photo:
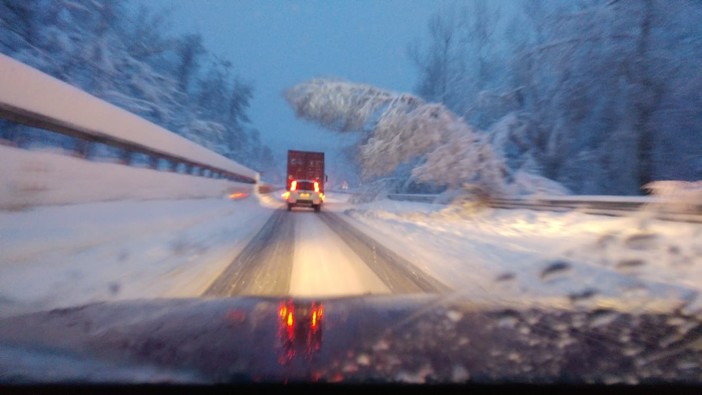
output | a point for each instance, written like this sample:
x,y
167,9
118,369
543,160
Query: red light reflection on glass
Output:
x,y
238,195
300,329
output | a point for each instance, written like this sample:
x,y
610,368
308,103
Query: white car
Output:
x,y
304,193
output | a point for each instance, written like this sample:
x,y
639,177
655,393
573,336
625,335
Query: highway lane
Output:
x,y
305,254
264,266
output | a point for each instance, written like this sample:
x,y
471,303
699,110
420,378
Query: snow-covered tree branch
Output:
x,y
402,128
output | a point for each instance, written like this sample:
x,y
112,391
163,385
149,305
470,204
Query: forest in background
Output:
x,y
602,96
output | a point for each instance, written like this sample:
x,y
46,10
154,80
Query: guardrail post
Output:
x,y
153,162
170,165
125,156
83,148
8,132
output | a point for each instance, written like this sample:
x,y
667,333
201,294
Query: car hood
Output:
x,y
370,339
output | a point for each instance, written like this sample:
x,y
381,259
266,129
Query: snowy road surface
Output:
x,y
325,265
67,255
63,256
296,254
307,254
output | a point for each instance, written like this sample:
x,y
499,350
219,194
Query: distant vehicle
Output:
x,y
305,180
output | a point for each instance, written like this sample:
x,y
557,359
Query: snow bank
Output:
x,y
568,258
63,256
681,195
31,178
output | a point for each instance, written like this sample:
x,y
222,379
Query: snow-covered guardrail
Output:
x,y
30,97
104,152
663,208
411,197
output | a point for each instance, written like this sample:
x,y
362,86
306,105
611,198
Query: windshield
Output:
x,y
401,191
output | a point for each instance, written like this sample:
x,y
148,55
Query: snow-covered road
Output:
x,y
324,265
63,256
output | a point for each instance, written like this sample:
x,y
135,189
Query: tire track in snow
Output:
x,y
264,266
399,274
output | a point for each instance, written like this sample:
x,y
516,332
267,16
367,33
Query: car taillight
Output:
x,y
293,186
316,186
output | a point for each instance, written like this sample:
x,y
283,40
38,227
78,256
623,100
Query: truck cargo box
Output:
x,y
306,165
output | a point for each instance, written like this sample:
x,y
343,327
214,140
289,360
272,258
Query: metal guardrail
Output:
x,y
408,197
32,98
598,205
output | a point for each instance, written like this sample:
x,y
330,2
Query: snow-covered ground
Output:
x,y
633,262
68,255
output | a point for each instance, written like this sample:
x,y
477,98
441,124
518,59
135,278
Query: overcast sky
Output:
x,y
277,43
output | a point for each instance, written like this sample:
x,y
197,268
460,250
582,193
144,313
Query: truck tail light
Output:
x,y
293,186
316,186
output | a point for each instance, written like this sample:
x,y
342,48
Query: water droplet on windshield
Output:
x,y
454,316
632,351
507,319
635,291
114,288
606,240
564,342
555,269
687,365
630,263
363,360
505,277
582,295
459,374
514,357
641,241
381,345
602,317
670,339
